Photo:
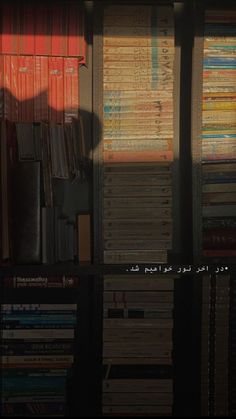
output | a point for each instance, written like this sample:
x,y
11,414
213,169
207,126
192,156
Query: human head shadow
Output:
x,y
37,109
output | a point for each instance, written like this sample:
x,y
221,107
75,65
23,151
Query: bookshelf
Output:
x,y
193,310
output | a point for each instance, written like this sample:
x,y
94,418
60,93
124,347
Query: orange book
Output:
x,y
137,156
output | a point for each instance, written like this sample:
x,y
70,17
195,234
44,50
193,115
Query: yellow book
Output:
x,y
219,105
140,31
137,41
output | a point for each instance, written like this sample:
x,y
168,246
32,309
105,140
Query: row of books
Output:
x,y
34,228
43,29
137,212
219,135
39,88
137,141
215,347
37,234
137,346
37,352
232,343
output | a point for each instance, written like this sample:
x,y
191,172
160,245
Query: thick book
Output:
x,y
26,213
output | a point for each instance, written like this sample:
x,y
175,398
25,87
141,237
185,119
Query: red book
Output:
x,y
11,111
26,88
71,89
219,239
56,89
41,89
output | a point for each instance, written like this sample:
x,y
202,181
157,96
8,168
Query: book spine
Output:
x,y
219,239
141,296
218,198
142,256
40,282
141,156
219,210
25,408
37,348
160,179
53,308
134,191
163,213
38,334
137,244
43,359
145,202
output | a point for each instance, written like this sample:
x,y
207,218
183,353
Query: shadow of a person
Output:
x,y
72,196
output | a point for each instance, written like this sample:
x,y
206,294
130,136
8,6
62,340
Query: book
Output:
x,y
136,313
120,213
231,253
137,323
210,198
137,179
133,202
124,282
142,335
140,168
219,239
138,256
219,210
132,385
137,399
148,191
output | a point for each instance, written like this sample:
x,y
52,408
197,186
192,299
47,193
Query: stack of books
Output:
x,y
35,158
137,138
138,345
215,349
37,352
232,342
219,135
